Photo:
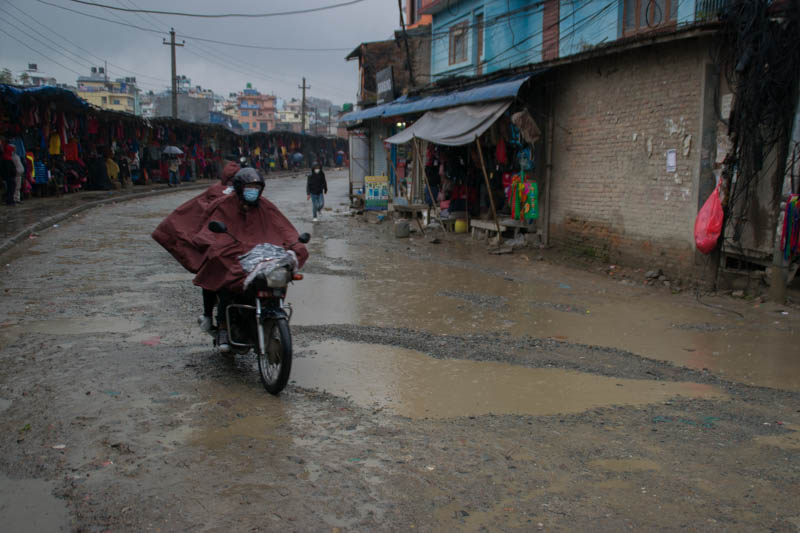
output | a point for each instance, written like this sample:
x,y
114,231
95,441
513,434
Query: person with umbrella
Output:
x,y
173,152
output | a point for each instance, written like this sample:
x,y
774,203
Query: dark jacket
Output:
x,y
316,183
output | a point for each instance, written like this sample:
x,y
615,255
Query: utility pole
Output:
x,y
172,45
303,105
327,133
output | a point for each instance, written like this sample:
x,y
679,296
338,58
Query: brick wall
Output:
x,y
611,195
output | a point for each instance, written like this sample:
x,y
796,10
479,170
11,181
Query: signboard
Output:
x,y
376,193
385,83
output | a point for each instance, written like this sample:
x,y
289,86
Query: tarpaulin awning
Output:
x,y
454,126
498,90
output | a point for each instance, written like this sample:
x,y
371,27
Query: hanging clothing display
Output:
x,y
790,234
523,197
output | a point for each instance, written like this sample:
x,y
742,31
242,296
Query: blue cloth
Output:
x,y
317,203
20,147
40,173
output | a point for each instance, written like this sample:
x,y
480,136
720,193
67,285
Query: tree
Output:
x,y
6,76
23,78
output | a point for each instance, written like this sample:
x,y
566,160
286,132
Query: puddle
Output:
x,y
415,385
80,326
410,292
28,506
324,299
789,441
625,465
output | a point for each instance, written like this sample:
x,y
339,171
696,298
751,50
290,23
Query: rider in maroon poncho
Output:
x,y
251,220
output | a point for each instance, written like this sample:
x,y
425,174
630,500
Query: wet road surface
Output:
x,y
436,388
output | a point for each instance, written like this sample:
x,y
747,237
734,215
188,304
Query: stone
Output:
x,y
738,294
653,274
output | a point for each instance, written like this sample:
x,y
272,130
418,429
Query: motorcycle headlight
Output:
x,y
278,278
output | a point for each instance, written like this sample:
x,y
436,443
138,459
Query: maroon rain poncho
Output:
x,y
214,256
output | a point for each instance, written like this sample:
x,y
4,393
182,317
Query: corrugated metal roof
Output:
x,y
498,90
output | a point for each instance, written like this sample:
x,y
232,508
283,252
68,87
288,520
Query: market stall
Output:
x,y
479,165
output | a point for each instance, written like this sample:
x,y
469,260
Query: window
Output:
x,y
103,99
458,43
116,101
245,113
647,15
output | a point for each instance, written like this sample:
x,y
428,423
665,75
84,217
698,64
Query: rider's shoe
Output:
x,y
205,323
222,341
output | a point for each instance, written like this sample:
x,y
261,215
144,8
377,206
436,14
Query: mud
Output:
x,y
407,410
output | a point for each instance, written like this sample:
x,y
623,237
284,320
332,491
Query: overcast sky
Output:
x,y
218,67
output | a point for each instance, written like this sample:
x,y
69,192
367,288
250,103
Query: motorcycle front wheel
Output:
x,y
275,364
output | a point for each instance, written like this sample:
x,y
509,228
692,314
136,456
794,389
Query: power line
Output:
x,y
258,47
195,38
73,44
38,52
99,18
47,46
221,15
229,62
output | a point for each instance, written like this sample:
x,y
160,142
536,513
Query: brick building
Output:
x,y
633,108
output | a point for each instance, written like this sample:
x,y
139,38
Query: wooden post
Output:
x,y
548,177
430,191
488,189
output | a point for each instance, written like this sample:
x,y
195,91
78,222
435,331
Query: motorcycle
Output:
x,y
258,318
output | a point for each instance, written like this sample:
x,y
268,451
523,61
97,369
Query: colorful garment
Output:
x,y
790,235
523,197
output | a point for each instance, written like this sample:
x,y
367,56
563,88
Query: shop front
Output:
x,y
473,158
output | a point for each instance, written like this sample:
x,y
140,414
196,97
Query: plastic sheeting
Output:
x,y
264,258
498,90
454,126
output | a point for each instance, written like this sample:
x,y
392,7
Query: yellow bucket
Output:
x,y
461,226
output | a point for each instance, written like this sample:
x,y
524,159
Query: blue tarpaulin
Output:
x,y
498,90
15,95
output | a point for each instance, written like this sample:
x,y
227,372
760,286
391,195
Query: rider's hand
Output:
x,y
308,197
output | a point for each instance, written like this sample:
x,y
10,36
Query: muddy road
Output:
x,y
435,388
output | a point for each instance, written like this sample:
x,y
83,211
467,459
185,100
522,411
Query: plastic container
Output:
x,y
461,226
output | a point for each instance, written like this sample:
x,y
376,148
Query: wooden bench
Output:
x,y
488,228
413,212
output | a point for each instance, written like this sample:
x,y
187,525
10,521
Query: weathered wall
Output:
x,y
616,117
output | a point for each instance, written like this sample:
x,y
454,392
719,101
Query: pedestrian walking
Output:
x,y
174,178
316,189
9,173
20,168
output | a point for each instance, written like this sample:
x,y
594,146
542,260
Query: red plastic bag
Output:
x,y
708,225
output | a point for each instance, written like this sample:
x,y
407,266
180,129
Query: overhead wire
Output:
x,y
39,52
37,32
194,37
521,53
222,15
229,62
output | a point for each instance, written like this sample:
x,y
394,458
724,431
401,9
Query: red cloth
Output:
x,y
71,150
214,257
500,152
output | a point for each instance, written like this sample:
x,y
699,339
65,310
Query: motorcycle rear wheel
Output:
x,y
276,364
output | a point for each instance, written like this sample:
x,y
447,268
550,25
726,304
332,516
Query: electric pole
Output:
x,y
172,45
327,133
303,105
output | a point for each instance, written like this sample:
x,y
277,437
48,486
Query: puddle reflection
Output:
x,y
416,385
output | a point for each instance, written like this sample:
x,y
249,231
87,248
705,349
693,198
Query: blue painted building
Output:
x,y
476,37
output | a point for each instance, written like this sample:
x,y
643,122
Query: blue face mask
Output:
x,y
251,195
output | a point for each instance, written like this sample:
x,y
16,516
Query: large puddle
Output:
x,y
415,385
453,298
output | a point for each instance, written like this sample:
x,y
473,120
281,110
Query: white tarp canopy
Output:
x,y
453,126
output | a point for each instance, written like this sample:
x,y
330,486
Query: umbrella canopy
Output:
x,y
173,150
